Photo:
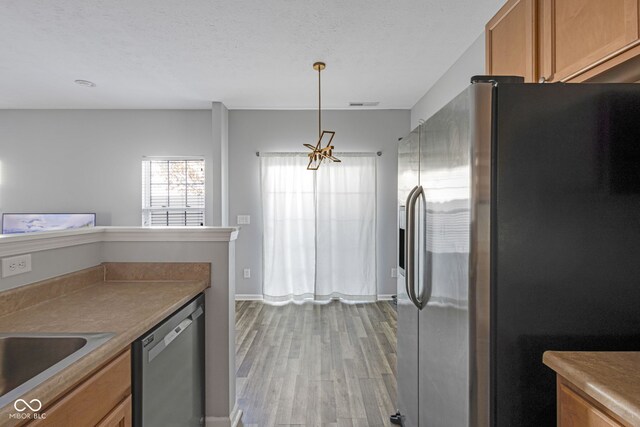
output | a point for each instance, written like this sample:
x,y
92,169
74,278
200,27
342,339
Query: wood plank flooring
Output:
x,y
313,365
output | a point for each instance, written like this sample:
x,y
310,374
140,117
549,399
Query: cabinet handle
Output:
x,y
542,80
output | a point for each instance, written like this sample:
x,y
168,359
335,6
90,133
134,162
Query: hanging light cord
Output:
x,y
319,103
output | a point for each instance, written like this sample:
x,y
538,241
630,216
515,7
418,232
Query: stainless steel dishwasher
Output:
x,y
168,370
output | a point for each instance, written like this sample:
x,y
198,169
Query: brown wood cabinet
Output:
x,y
511,41
576,409
563,40
102,400
120,416
579,34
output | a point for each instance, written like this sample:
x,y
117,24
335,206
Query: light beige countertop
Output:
x,y
610,378
127,308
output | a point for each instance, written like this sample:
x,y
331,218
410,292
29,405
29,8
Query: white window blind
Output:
x,y
173,192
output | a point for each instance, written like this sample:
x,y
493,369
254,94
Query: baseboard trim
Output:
x,y
254,297
217,422
233,420
248,297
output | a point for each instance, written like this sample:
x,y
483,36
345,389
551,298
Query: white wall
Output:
x,y
452,82
89,160
273,131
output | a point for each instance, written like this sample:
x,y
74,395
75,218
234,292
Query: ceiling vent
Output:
x,y
363,104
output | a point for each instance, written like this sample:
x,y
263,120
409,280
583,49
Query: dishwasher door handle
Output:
x,y
173,334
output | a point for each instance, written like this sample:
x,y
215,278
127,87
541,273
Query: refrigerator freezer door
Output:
x,y
567,235
407,335
444,322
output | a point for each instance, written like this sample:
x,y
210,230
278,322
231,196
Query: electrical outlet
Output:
x,y
244,219
16,265
394,272
247,273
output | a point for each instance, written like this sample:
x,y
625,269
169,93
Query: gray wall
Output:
x,y
220,190
263,130
89,160
452,82
55,262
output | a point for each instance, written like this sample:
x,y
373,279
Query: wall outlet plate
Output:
x,y
394,272
247,273
16,265
243,219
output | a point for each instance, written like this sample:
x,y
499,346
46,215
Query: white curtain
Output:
x,y
319,228
288,212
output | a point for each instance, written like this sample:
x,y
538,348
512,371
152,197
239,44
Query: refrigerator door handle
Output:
x,y
421,302
411,207
408,243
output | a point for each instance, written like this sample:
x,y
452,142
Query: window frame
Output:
x,y
146,186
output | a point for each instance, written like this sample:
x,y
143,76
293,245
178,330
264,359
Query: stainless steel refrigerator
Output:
x,y
519,232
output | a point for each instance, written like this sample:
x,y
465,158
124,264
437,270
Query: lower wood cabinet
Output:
x,y
103,400
575,409
120,416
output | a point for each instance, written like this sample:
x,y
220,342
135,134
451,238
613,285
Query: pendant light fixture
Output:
x,y
318,153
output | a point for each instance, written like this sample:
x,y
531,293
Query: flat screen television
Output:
x,y
17,223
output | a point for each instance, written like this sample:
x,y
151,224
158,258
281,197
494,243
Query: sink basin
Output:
x,y
27,360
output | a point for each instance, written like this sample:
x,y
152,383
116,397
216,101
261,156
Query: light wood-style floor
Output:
x,y
313,365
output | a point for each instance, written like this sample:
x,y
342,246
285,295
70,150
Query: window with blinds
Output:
x,y
173,192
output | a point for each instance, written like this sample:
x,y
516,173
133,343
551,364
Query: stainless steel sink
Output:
x,y
27,360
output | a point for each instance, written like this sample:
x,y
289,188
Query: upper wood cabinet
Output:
x,y
562,40
511,40
579,34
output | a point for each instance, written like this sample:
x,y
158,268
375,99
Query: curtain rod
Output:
x,y
378,153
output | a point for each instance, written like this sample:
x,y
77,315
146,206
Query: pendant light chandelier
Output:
x,y
318,153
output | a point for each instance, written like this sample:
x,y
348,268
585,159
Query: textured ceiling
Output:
x,y
245,53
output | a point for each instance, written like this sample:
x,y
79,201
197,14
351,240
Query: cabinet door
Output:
x,y
89,402
119,417
578,34
574,411
511,40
